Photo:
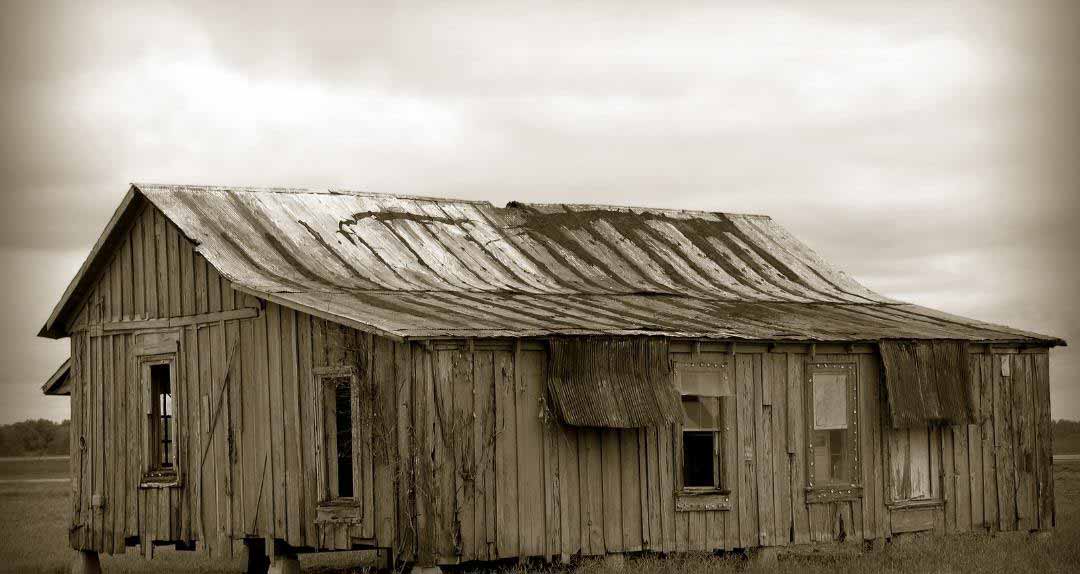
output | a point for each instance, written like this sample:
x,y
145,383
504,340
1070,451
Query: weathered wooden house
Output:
x,y
301,370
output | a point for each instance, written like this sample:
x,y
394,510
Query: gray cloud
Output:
x,y
928,150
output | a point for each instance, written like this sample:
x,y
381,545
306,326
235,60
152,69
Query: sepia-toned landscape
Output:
x,y
566,288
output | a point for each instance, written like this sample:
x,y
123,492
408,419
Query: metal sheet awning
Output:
x,y
612,382
927,382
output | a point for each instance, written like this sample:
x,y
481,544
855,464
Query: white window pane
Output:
x,y
830,401
703,382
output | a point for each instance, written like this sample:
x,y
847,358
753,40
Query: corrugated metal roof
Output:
x,y
428,267
297,241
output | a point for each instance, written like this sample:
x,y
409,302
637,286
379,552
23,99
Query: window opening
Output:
x,y
699,462
162,416
703,386
343,417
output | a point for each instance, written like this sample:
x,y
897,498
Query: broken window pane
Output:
x,y
701,412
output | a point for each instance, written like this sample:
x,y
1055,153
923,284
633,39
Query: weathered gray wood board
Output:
x,y
467,462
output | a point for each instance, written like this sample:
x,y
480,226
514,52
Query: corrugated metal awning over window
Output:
x,y
613,382
927,381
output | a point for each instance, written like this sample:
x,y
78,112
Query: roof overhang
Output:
x,y
59,384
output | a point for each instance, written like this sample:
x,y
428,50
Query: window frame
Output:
x,y
715,497
331,507
833,491
155,476
717,455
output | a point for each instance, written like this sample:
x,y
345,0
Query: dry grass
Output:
x,y
24,468
33,539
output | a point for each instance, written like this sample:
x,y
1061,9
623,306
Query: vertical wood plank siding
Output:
x,y
468,462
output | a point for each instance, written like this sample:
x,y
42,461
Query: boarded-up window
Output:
x,y
927,381
910,476
614,382
832,425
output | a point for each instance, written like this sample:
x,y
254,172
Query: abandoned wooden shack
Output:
x,y
450,381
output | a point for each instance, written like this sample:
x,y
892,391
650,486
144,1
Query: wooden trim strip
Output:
x,y
174,322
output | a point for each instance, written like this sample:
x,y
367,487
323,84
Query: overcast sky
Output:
x,y
930,149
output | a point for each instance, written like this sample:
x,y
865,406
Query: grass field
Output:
x,y
33,538
23,468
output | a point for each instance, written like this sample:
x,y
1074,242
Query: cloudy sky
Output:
x,y
931,149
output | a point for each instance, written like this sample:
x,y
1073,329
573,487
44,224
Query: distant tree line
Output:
x,y
1066,437
35,438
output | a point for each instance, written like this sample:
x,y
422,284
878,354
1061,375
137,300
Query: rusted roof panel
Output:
x,y
427,267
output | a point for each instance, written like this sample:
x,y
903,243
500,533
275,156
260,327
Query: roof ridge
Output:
x,y
221,188
334,190
300,190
